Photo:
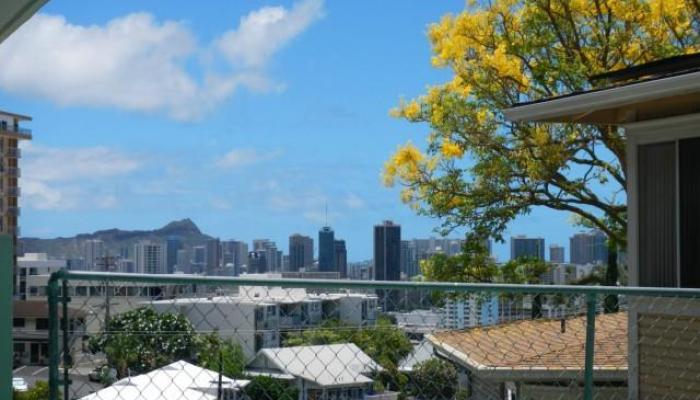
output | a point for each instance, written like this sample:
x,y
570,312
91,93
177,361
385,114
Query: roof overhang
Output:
x,y
13,13
635,102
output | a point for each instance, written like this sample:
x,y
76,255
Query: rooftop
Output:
x,y
538,346
326,365
177,381
659,89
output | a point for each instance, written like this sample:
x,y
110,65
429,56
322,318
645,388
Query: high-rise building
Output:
x,y
522,246
93,250
326,250
213,256
387,261
183,261
273,256
301,252
409,262
234,252
10,135
199,259
556,254
173,245
257,262
149,257
588,248
341,258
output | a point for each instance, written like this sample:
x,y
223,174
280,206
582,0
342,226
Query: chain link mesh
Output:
x,y
138,341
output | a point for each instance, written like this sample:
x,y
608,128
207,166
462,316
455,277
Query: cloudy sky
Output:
x,y
246,116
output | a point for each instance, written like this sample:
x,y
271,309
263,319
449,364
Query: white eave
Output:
x,y
612,105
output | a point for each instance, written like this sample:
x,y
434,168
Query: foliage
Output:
x,y
434,379
266,388
213,351
141,340
475,265
481,171
383,342
40,391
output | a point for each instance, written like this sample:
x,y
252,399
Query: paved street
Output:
x,y
80,386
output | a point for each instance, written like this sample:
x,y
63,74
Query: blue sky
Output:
x,y
246,116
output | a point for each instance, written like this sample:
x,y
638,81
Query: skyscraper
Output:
x,y
301,252
149,257
257,262
199,259
556,254
273,257
341,258
213,256
172,245
234,252
93,250
326,250
409,262
588,248
522,246
10,136
387,260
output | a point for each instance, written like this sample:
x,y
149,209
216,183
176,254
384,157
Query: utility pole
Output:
x,y
106,263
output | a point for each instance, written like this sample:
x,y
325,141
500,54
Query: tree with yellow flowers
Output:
x,y
480,171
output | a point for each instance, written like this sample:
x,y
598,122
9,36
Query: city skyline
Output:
x,y
91,165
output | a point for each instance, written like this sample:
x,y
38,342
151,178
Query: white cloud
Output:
x,y
262,33
242,157
137,63
353,201
76,171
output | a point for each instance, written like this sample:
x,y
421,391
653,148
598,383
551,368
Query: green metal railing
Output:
x,y
58,295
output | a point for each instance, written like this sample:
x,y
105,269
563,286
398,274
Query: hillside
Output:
x,y
115,239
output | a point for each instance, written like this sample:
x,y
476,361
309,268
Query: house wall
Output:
x,y
650,374
547,392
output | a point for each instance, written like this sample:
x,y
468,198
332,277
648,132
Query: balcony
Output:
x,y
13,210
13,152
13,172
15,131
12,191
511,342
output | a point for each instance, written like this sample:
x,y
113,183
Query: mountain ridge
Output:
x,y
115,239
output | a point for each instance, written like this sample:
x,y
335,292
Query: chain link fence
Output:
x,y
148,337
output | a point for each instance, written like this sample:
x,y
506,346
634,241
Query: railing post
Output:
x,y
53,337
7,252
66,347
590,346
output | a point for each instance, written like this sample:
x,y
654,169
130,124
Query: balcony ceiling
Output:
x,y
13,13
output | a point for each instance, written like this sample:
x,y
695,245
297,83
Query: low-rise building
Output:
x,y
177,381
329,372
538,359
30,331
34,264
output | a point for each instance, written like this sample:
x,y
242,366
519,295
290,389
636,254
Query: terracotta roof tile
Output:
x,y
539,344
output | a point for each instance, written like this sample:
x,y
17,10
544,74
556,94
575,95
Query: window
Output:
x,y
42,324
18,322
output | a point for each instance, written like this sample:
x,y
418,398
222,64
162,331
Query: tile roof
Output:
x,y
538,345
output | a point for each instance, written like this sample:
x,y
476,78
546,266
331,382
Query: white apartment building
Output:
x,y
470,311
253,323
34,264
149,257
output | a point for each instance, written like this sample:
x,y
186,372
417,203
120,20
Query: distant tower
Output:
x,y
556,254
326,250
588,248
341,258
301,252
387,260
173,245
522,246
213,256
149,257
93,250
